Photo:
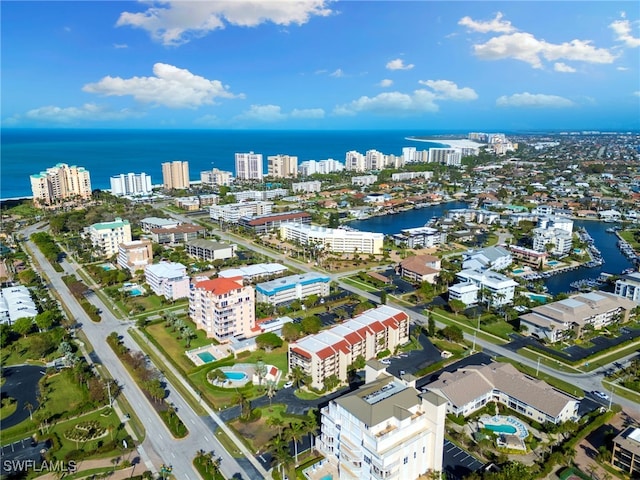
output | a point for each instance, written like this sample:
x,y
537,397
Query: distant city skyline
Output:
x,y
316,64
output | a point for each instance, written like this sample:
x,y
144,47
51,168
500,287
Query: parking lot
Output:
x,y
456,463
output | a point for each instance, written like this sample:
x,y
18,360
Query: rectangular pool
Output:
x,y
327,477
206,357
501,428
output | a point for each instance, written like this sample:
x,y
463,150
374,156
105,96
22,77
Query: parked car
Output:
x,y
288,385
601,395
386,361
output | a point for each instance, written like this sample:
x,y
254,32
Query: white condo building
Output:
x,y
331,351
249,166
553,221
282,166
293,287
15,303
495,288
168,279
385,429
375,160
560,239
232,212
307,187
323,167
131,184
355,161
447,156
107,236
628,286
334,240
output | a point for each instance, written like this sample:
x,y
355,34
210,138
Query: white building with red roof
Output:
x,y
331,351
223,307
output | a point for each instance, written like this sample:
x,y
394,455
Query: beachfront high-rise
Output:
x,y
282,166
131,184
60,182
175,175
249,166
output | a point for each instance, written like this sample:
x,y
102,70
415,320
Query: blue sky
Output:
x,y
432,65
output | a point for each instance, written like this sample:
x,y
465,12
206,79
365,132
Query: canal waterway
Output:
x,y
614,261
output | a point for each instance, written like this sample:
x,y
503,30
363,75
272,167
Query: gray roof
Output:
x,y
380,400
210,244
469,383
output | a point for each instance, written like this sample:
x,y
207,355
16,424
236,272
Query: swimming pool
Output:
x,y
327,477
538,298
135,292
552,262
501,428
106,267
518,270
236,376
206,357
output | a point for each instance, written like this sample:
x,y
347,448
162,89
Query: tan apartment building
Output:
x,y
626,451
557,320
135,255
60,182
282,166
331,351
175,175
223,307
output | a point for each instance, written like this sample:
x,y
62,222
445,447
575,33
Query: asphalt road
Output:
x,y
22,385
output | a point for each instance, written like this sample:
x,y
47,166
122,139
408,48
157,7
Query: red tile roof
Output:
x,y
325,353
353,338
301,352
377,327
220,286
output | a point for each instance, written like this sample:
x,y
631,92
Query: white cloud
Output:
x,y
386,82
172,87
637,93
398,64
89,112
447,90
622,69
533,100
337,73
622,29
527,48
391,103
307,113
274,113
120,45
178,22
563,67
495,25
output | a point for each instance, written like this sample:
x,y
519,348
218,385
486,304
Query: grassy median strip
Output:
x,y
177,384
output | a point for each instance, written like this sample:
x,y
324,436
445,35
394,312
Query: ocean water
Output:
x,y
111,152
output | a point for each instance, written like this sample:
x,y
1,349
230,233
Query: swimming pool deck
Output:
x,y
520,427
215,350
321,470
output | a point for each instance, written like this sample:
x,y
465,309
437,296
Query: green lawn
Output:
x,y
9,406
627,235
174,348
20,351
114,431
549,362
358,284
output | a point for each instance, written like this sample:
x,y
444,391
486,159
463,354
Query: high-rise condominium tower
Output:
x,y
175,175
60,182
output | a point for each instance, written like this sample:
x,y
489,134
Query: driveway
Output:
x,y
22,384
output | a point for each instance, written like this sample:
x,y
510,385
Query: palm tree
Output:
x,y
297,375
309,427
279,448
295,432
275,422
271,390
28,406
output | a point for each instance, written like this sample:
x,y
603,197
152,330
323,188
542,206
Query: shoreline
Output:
x,y
450,142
